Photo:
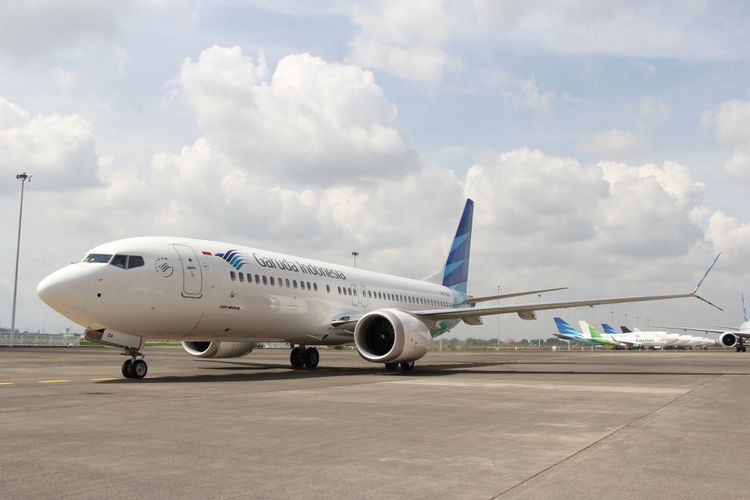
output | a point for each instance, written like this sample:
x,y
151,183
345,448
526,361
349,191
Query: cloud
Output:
x,y
732,123
310,122
637,29
529,94
57,149
652,111
29,27
613,143
406,40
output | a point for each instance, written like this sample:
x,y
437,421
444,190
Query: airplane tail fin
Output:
x,y
456,269
586,330
744,306
608,329
625,329
589,331
564,327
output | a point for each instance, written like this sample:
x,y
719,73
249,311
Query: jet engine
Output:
x,y
391,336
728,339
217,348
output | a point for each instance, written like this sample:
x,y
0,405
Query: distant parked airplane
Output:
x,y
730,336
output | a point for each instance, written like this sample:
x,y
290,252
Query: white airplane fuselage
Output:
x,y
186,289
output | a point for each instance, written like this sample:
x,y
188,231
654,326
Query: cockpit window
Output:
x,y
127,261
135,261
120,261
97,257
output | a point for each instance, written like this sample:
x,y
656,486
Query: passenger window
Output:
x,y
308,286
281,282
257,279
273,283
339,290
265,280
315,287
242,277
287,283
232,275
294,284
120,261
328,288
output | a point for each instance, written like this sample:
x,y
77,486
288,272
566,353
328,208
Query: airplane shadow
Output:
x,y
243,372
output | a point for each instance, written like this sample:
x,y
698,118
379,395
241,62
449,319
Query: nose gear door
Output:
x,y
192,275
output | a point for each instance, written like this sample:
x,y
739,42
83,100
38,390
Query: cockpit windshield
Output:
x,y
97,257
127,261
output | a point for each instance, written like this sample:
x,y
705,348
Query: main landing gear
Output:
x,y
304,357
740,345
406,366
135,367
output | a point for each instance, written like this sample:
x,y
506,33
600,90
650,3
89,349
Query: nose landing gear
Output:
x,y
135,367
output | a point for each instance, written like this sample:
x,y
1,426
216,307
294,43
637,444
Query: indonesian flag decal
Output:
x,y
206,253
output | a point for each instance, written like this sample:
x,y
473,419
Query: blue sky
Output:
x,y
606,144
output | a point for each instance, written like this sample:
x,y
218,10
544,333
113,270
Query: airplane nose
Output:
x,y
65,290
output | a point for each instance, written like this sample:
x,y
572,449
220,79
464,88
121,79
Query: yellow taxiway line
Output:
x,y
52,381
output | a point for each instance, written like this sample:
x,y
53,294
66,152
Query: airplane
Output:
x,y
567,332
670,339
635,340
730,336
675,339
591,333
221,299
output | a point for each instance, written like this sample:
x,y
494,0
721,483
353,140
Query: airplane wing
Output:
x,y
474,300
692,329
528,311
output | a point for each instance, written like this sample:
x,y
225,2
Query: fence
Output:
x,y
40,339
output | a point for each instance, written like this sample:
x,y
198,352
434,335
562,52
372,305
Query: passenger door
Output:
x,y
192,275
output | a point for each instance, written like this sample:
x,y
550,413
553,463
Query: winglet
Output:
x,y
707,302
704,277
744,306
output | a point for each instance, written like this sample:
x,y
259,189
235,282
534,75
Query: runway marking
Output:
x,y
7,383
551,387
61,381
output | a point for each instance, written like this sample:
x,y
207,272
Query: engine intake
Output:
x,y
217,348
391,336
728,339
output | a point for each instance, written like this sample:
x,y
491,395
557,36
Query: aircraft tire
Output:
x,y
311,357
297,358
407,366
126,367
137,369
391,366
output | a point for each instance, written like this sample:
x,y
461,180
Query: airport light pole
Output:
x,y
498,319
24,179
354,254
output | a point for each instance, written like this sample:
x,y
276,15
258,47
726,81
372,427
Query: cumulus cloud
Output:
x,y
405,39
732,123
613,143
308,122
536,209
58,149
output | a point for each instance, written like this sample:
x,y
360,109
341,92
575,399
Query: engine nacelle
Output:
x,y
728,339
391,336
217,348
